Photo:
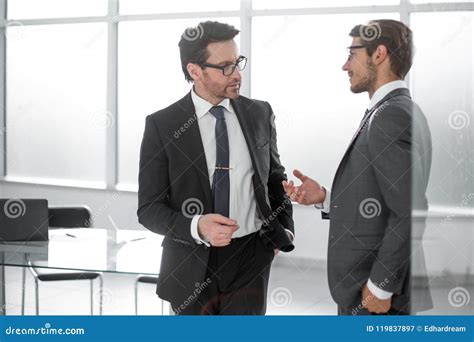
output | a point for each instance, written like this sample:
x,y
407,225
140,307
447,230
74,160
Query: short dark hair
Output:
x,y
395,36
194,41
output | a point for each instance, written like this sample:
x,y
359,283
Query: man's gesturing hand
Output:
x,y
216,229
309,192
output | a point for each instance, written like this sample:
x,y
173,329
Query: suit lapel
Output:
x,y
394,93
191,145
248,129
246,122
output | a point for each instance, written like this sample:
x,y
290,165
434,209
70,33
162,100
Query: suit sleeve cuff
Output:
x,y
290,233
195,233
326,205
378,292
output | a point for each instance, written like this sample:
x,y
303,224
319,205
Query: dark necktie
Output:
x,y
220,181
363,123
366,114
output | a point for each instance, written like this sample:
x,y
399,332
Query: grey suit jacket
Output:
x,y
173,176
383,173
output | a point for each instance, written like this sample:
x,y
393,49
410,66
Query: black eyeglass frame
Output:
x,y
349,48
223,68
356,47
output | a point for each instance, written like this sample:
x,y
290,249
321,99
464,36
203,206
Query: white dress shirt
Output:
x,y
325,206
242,202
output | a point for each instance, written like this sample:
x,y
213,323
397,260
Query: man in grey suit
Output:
x,y
382,176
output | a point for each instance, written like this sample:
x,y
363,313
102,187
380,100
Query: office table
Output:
x,y
85,249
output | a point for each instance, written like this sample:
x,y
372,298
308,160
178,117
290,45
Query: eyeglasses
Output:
x,y
349,48
229,69
356,47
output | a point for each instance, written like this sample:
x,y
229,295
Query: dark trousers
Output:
x,y
236,280
359,311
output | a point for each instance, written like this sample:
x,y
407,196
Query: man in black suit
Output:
x,y
210,181
382,176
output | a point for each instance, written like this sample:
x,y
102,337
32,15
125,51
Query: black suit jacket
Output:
x,y
173,179
382,176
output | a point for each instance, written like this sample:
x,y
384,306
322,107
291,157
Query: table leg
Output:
x,y
3,310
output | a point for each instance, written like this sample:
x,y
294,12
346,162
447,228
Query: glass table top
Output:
x,y
89,249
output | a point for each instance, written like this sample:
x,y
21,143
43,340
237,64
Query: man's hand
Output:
x,y
374,304
309,192
216,229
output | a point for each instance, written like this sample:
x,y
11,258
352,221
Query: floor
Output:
x,y
295,289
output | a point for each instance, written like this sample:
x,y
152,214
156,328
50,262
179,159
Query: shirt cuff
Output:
x,y
195,233
326,205
377,291
292,236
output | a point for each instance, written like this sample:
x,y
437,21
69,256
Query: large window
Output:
x,y
274,4
176,6
34,9
443,86
56,102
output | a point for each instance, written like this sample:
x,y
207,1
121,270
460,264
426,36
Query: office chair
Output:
x,y
144,279
63,217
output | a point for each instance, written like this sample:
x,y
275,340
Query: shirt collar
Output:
x,y
384,90
202,106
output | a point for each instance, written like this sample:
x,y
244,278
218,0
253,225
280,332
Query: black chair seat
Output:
x,y
53,274
147,279
69,217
